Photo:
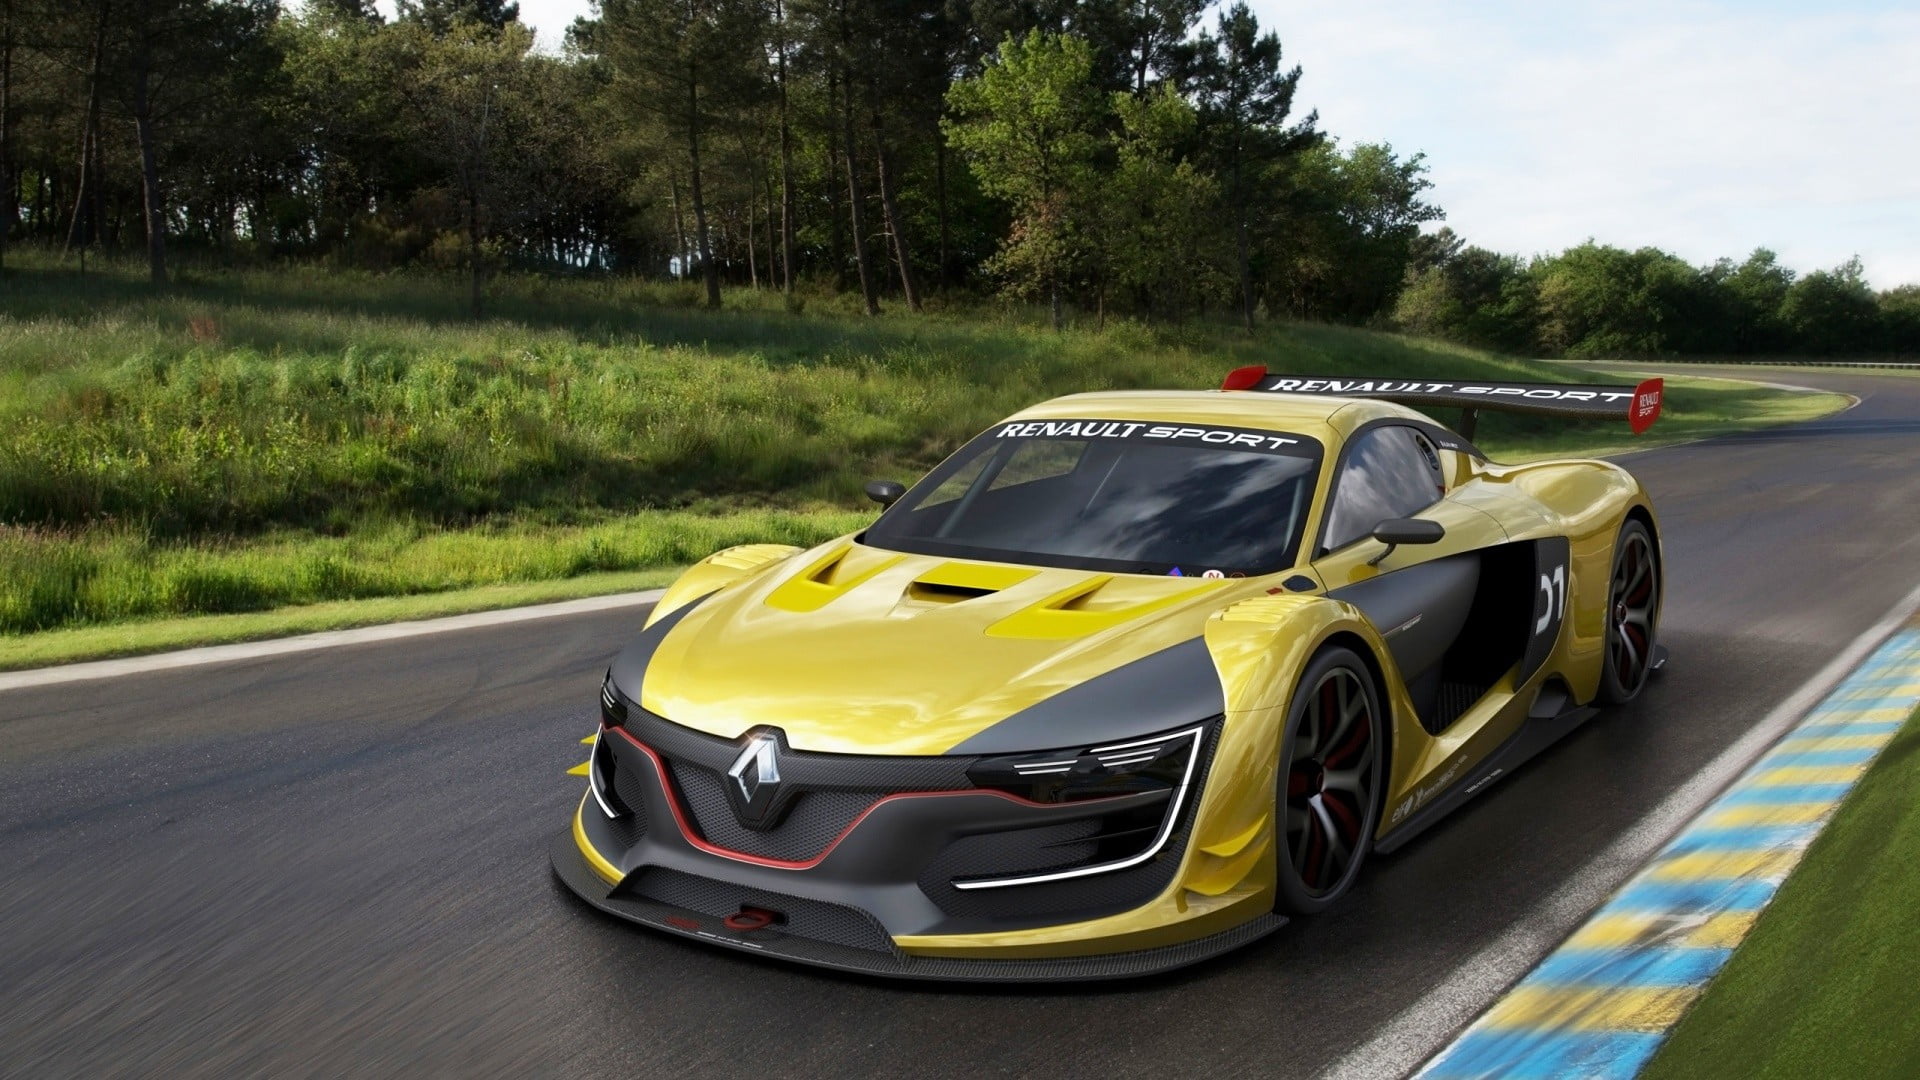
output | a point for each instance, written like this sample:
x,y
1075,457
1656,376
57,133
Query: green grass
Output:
x,y
249,440
1825,986
158,635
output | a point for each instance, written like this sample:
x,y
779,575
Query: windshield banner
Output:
x,y
1189,435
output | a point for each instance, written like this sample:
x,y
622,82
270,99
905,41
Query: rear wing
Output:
x,y
1638,405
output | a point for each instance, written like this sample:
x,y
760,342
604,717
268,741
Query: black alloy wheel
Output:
x,y
1327,791
1633,615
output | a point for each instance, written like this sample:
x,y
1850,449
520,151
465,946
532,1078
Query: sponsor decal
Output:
x,y
1593,395
1175,572
1474,788
1438,784
1213,575
1646,404
1224,437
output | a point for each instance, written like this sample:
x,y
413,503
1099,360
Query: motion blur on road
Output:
x,y
334,862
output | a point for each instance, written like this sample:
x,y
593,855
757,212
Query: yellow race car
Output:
x,y
1124,683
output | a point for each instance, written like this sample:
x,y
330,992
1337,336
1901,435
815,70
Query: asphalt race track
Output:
x,y
334,862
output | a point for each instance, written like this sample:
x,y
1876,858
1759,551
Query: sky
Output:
x,y
1704,127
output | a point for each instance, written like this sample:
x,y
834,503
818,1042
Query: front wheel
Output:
x,y
1633,615
1327,792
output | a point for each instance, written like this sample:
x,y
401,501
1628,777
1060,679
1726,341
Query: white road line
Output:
x,y
1408,1040
250,650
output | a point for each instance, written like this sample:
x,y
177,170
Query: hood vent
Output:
x,y
954,582
928,592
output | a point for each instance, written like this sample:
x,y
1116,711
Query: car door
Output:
x,y
1418,596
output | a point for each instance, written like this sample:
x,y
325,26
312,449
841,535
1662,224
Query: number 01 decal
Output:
x,y
1550,573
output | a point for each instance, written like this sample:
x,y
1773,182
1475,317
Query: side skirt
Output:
x,y
1553,715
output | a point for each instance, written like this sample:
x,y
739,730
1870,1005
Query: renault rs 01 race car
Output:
x,y
1124,683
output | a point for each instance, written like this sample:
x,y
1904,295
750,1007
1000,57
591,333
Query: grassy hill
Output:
x,y
249,440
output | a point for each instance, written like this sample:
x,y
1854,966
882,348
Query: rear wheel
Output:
x,y
1327,797
1633,614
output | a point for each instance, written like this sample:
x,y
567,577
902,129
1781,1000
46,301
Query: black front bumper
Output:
x,y
869,850
717,899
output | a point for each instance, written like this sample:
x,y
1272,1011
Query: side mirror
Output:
x,y
885,492
1396,531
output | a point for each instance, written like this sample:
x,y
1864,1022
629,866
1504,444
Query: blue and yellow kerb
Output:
x,y
1602,1003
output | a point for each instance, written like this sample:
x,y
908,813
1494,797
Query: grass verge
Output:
x,y
1825,984
252,440
161,635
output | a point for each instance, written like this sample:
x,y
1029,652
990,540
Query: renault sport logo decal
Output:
x,y
753,780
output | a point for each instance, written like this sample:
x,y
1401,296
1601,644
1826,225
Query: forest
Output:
x,y
1136,159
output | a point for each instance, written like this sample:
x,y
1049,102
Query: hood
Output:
x,y
852,649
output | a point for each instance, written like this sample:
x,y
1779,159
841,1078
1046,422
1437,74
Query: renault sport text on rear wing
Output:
x,y
1638,405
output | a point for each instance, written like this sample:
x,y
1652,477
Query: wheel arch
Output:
x,y
1376,672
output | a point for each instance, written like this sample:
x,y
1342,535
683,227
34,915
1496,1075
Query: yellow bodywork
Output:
x,y
846,649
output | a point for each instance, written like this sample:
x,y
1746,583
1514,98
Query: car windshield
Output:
x,y
1121,495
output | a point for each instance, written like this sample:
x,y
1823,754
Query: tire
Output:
x,y
1633,615
1328,783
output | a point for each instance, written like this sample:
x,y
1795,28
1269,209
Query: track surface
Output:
x,y
334,862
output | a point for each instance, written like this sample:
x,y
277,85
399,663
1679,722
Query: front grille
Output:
x,y
802,770
821,921
827,792
813,820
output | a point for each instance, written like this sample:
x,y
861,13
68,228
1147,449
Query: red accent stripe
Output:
x,y
692,837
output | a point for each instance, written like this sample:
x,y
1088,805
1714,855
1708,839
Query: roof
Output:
x,y
1320,416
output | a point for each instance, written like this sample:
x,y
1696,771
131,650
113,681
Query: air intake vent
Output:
x,y
928,592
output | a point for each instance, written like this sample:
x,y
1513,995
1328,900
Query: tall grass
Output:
x,y
246,439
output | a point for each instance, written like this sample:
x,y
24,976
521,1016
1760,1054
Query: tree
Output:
x,y
1468,294
1161,225
1900,321
1245,98
470,91
1832,312
1751,295
1028,125
1344,230
441,16
682,64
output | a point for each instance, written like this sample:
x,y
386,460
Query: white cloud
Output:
x,y
1706,129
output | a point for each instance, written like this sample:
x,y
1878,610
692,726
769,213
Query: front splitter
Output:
x,y
570,866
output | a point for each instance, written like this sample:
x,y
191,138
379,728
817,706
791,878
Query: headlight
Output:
x,y
1162,763
613,711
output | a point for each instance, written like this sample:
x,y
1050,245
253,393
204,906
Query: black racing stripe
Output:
x,y
630,667
1174,686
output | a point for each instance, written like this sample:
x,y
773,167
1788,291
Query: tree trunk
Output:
x,y
152,207
940,186
710,270
786,158
1053,303
473,249
773,215
753,260
836,238
680,259
856,200
9,190
1242,247
895,226
89,139
1246,272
